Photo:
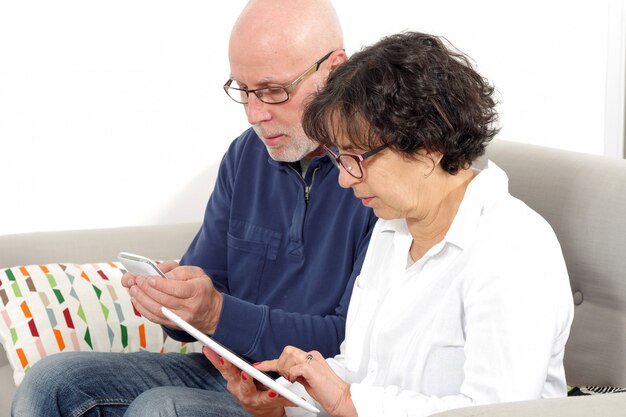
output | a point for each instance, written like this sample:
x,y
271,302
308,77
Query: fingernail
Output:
x,y
256,363
222,361
151,282
139,280
133,291
244,377
272,394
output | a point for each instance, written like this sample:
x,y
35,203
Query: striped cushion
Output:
x,y
53,308
574,391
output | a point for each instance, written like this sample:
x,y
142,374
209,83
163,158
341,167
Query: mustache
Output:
x,y
268,134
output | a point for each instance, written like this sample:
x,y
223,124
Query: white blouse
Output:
x,y
481,318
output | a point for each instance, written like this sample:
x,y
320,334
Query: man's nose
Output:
x,y
256,110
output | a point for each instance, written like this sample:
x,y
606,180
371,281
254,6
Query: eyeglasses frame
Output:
x,y
288,88
336,158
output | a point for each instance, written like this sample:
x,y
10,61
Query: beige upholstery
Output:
x,y
583,197
610,405
97,245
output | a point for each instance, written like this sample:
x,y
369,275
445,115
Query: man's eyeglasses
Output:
x,y
270,95
352,163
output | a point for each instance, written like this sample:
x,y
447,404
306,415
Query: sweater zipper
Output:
x,y
307,188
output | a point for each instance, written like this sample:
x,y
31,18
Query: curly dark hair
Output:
x,y
409,91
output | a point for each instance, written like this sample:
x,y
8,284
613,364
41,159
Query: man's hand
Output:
x,y
128,279
188,292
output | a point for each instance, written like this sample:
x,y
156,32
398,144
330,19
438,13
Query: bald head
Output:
x,y
303,30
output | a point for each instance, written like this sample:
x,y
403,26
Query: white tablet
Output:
x,y
279,386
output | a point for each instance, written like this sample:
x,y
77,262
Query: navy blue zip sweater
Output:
x,y
283,250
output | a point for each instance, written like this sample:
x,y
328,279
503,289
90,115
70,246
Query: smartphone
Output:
x,y
139,265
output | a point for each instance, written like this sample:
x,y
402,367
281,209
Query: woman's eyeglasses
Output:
x,y
352,163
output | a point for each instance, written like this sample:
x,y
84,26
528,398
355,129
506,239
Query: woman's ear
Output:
x,y
432,159
436,157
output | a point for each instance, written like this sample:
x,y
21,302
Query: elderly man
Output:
x,y
275,259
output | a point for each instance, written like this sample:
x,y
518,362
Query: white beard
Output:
x,y
297,148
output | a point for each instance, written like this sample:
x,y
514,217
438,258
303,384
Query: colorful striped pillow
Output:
x,y
66,307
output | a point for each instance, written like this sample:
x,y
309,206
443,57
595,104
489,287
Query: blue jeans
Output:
x,y
94,384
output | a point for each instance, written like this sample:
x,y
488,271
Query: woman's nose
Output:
x,y
346,180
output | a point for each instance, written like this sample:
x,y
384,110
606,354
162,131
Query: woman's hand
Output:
x,y
256,399
317,377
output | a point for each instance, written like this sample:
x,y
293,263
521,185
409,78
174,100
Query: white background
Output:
x,y
112,112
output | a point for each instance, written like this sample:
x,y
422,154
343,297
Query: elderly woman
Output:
x,y
464,296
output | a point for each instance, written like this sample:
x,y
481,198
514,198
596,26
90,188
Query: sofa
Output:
x,y
582,196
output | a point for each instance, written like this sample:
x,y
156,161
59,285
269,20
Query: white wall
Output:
x,y
112,113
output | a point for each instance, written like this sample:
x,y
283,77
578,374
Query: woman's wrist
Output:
x,y
345,406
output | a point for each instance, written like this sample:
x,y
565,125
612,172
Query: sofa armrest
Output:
x,y
605,405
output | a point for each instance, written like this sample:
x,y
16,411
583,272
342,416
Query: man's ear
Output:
x,y
337,58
